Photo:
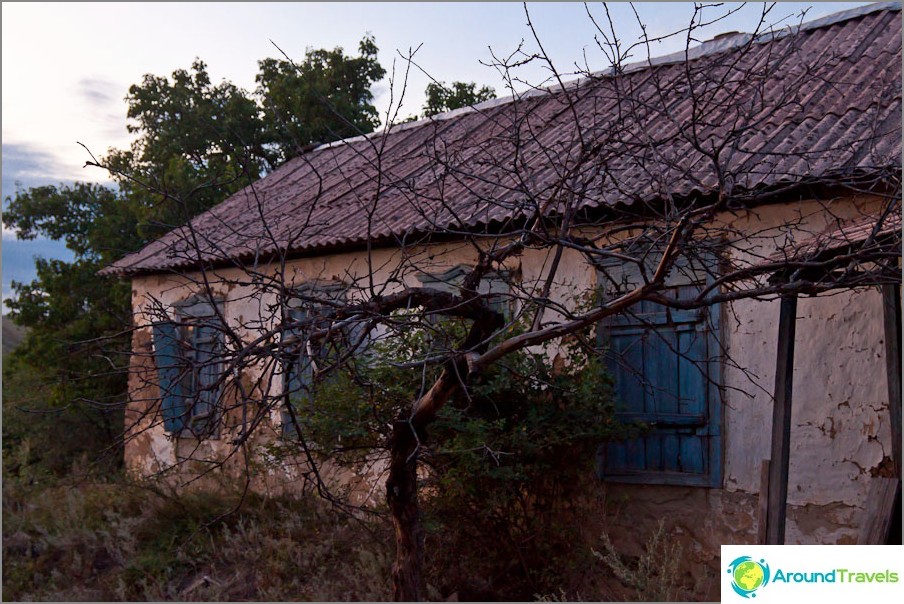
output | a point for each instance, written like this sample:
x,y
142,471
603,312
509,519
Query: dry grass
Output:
x,y
115,542
118,542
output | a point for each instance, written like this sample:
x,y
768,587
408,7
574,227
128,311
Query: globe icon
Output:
x,y
748,575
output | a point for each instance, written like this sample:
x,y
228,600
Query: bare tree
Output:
x,y
647,183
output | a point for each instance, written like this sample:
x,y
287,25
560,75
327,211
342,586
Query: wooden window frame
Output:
x,y
683,275
302,392
181,378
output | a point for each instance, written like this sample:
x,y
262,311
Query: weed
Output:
x,y
116,542
655,575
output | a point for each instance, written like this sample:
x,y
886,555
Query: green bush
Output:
x,y
48,436
504,457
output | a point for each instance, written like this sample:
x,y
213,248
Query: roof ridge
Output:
x,y
769,158
709,47
719,43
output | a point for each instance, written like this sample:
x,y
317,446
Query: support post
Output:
x,y
762,508
891,306
781,423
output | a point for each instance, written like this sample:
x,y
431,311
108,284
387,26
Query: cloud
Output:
x,y
10,234
98,91
26,166
19,263
103,100
29,164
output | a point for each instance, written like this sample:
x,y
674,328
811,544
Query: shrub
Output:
x,y
503,458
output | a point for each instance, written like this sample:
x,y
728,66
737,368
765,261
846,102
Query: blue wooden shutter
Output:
x,y
206,341
665,375
170,374
299,373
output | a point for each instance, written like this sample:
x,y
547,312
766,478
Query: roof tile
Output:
x,y
454,171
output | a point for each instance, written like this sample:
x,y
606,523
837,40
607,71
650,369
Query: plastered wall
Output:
x,y
840,434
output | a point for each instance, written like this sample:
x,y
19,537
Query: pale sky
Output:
x,y
67,67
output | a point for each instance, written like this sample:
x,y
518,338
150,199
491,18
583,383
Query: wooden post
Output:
x,y
762,508
891,305
781,423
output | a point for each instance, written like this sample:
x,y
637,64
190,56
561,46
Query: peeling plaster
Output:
x,y
839,419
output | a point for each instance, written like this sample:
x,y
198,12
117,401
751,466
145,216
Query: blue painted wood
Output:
x,y
671,452
171,370
661,370
692,387
207,369
691,458
627,366
655,452
666,374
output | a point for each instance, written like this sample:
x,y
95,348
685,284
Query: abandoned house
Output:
x,y
781,150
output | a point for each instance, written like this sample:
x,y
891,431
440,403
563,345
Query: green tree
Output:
x,y
506,457
460,94
197,143
327,97
76,339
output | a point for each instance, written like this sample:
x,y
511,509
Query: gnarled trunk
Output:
x,y
401,486
401,494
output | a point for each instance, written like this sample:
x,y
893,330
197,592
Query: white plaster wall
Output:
x,y
839,402
840,432
244,305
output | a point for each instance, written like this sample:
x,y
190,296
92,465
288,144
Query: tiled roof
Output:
x,y
815,103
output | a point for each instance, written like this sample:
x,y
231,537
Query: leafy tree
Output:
x,y
76,320
197,143
325,98
460,94
505,457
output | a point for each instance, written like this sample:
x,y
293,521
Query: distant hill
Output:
x,y
12,335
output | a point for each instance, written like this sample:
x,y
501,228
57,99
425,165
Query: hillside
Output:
x,y
12,335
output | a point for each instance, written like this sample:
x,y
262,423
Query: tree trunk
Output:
x,y
401,494
408,583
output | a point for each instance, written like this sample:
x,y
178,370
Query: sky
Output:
x,y
67,67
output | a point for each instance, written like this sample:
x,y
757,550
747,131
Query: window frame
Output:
x,y
683,274
186,378
495,286
335,290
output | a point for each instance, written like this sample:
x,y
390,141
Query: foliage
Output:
x,y
49,430
327,97
529,404
508,462
114,541
655,575
442,98
504,456
197,142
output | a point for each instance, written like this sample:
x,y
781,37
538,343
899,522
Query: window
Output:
x,y
495,285
189,367
666,372
307,357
